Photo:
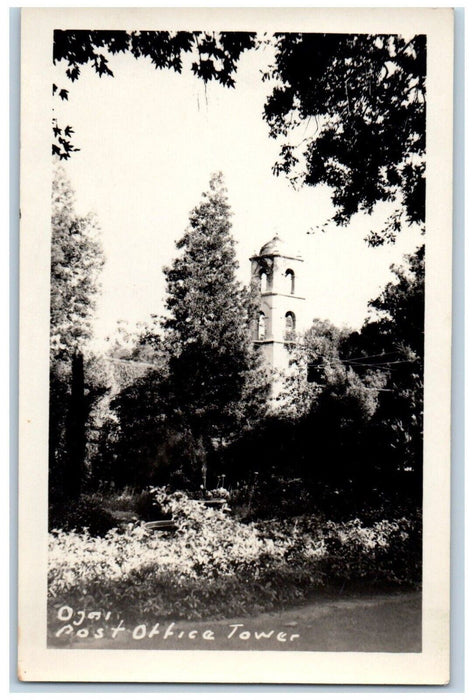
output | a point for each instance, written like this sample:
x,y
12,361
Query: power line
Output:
x,y
130,362
370,357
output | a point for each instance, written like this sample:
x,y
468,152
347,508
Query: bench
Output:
x,y
166,525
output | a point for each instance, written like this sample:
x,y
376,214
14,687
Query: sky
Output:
x,y
150,141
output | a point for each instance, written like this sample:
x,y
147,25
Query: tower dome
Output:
x,y
277,282
278,247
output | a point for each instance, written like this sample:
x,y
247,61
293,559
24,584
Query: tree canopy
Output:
x,y
210,315
349,108
392,341
206,383
76,263
363,99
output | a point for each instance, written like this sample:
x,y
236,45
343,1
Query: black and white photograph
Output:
x,y
240,371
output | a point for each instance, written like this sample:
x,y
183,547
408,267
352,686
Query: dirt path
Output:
x,y
377,623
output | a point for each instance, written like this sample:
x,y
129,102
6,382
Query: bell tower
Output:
x,y
277,281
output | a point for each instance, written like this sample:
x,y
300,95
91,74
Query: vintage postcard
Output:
x,y
235,342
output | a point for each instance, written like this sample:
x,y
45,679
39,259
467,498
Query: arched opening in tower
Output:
x,y
262,326
290,281
290,325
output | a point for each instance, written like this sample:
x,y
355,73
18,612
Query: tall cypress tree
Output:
x,y
215,380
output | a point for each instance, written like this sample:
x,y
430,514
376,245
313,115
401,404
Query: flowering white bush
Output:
x,y
213,559
208,544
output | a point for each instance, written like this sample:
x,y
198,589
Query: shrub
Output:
x,y
88,512
385,552
217,566
119,499
181,575
271,496
147,507
382,551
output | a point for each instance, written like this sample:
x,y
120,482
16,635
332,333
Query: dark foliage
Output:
x,y
267,495
87,512
365,96
58,401
394,342
218,53
319,463
147,441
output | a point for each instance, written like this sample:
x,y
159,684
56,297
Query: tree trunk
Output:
x,y
76,430
58,401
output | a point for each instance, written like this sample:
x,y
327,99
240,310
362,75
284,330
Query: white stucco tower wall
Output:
x,y
277,284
